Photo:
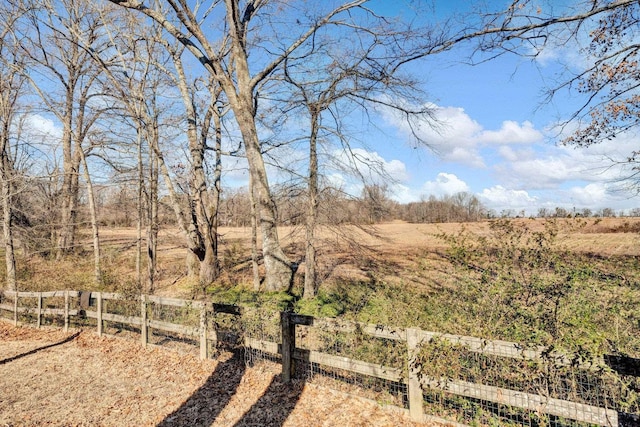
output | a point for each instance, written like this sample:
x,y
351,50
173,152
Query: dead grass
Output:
x,y
346,253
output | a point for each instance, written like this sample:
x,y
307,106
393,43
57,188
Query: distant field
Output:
x,y
395,241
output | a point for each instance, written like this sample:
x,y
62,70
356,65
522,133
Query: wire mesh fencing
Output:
x,y
345,357
534,389
438,376
262,335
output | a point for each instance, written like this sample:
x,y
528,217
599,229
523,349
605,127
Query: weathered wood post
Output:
x,y
144,324
288,345
414,387
204,348
15,308
66,310
39,312
212,335
99,311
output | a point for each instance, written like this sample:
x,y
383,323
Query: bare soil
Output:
x,y
51,378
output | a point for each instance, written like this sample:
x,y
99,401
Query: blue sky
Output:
x,y
498,139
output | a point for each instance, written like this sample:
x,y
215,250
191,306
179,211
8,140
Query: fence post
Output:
x,y
204,350
15,308
213,334
39,312
99,312
414,387
144,328
288,345
66,310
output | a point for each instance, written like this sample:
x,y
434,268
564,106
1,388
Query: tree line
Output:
x,y
171,97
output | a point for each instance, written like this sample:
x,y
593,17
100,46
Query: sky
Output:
x,y
497,138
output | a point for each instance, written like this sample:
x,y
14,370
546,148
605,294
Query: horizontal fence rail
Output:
x,y
144,309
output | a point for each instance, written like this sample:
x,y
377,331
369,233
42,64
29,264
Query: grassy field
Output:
x,y
573,284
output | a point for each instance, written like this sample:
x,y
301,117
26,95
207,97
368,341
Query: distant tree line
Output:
x,y
116,207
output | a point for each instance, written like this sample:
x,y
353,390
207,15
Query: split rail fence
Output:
x,y
295,344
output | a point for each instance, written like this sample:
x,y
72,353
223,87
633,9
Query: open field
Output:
x,y
344,249
77,379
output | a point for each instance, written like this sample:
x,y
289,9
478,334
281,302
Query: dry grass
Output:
x,y
346,252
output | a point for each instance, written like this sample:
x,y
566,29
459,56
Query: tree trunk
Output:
x,y
7,227
97,273
210,266
66,226
7,223
152,223
139,206
310,279
278,268
255,268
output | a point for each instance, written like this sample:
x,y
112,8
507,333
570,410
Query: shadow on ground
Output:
x,y
206,404
36,350
274,406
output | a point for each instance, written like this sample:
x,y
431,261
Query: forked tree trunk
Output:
x,y
278,268
66,228
210,265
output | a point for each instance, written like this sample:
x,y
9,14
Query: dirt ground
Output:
x,y
51,378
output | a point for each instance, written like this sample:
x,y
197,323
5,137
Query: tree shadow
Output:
x,y
205,404
274,406
36,350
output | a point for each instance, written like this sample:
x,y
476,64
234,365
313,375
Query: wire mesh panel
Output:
x,y
174,326
226,329
120,315
349,359
484,389
262,335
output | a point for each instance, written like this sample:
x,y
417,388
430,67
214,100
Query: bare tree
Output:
x,y
12,86
53,42
248,26
357,67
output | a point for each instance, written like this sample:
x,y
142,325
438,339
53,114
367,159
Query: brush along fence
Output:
x,y
431,376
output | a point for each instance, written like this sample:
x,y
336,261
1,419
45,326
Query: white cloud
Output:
x,y
336,180
444,184
591,195
499,198
456,137
512,133
548,166
402,194
510,154
43,129
370,165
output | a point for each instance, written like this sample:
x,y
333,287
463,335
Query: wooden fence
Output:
x,y
416,383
